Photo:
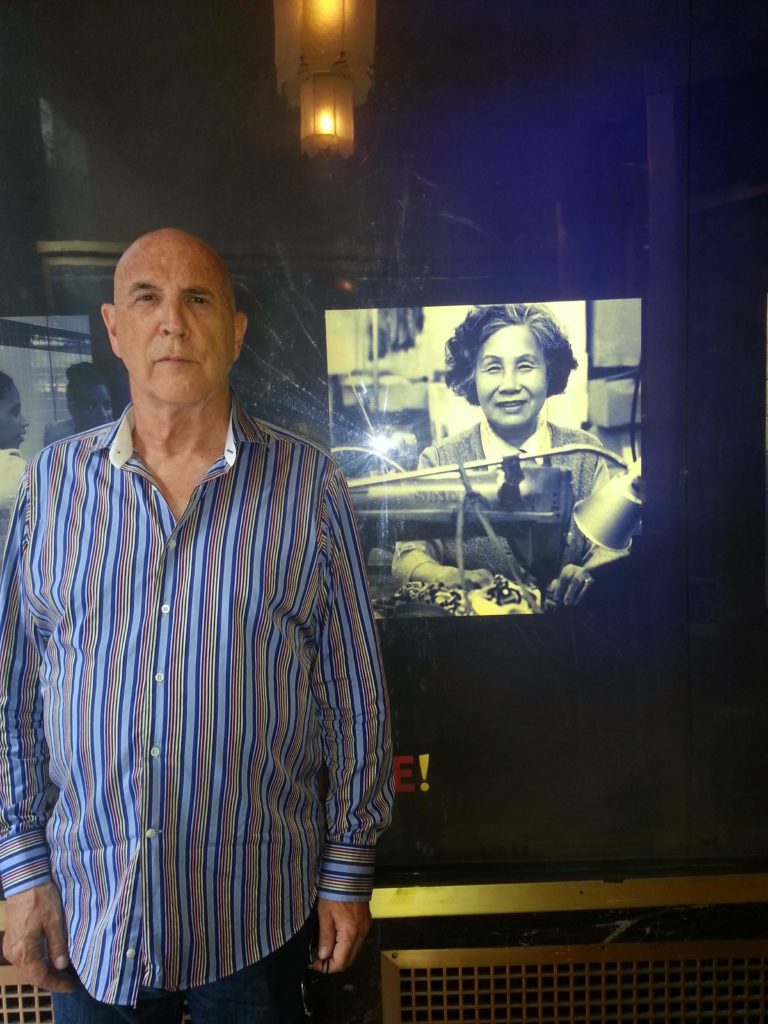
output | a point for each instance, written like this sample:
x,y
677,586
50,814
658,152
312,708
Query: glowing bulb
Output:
x,y
326,114
381,443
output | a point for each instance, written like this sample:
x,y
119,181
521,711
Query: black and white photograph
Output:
x,y
49,389
492,451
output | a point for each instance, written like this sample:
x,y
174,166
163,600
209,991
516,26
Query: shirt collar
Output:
x,y
494,447
244,427
117,437
121,448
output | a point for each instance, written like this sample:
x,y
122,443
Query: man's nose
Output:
x,y
173,316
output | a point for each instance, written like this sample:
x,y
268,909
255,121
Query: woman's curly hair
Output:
x,y
481,322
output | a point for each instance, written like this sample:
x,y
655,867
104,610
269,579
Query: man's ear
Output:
x,y
108,316
241,324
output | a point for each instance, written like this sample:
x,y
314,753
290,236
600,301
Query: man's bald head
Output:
x,y
171,241
173,322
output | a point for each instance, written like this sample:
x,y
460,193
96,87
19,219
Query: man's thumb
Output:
x,y
57,949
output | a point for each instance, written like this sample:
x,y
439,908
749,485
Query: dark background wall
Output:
x,y
507,152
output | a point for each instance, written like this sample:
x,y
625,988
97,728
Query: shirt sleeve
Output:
x,y
410,555
24,856
350,690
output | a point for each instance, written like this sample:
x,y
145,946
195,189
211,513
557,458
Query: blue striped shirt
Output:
x,y
168,693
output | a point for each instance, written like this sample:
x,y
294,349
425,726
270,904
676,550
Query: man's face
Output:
x,y
173,322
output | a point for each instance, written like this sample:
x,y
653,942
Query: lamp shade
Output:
x,y
326,114
608,517
317,36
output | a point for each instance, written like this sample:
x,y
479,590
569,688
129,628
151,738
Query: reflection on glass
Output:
x,y
36,357
13,427
88,402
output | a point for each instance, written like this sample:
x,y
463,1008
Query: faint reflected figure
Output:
x,y
13,427
88,402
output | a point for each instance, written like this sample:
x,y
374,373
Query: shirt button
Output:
x,y
159,677
130,954
165,608
155,751
171,544
151,833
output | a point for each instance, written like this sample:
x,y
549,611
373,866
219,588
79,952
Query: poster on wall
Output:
x,y
492,452
49,389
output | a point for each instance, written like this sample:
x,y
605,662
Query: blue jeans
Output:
x,y
268,992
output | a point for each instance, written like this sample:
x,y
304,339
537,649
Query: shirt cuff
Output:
x,y
346,873
24,862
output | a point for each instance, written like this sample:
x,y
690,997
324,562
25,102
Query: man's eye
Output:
x,y
147,297
198,300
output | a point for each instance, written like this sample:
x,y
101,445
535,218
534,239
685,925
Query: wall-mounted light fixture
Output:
x,y
324,63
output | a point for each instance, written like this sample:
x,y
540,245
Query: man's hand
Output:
x,y
572,584
34,927
342,928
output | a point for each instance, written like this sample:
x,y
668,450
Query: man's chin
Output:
x,y
182,393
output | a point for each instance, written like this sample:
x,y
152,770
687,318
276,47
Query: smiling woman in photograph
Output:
x,y
508,360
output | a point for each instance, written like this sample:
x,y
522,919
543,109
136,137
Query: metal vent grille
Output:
x,y
25,1004
700,983
22,1004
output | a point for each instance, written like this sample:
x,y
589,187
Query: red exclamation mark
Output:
x,y
424,769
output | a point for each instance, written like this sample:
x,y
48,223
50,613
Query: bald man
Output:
x,y
186,639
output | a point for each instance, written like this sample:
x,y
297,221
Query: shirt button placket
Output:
x,y
165,608
154,770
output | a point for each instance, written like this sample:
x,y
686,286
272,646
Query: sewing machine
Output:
x,y
526,504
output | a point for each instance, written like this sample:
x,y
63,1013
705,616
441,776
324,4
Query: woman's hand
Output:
x,y
572,584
